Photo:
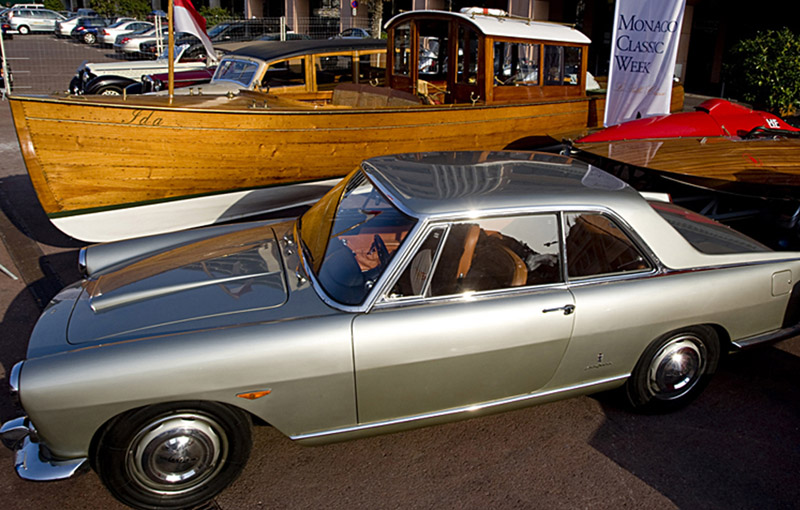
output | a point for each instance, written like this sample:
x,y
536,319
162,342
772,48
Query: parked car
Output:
x,y
111,78
129,45
423,288
155,47
352,33
245,30
26,21
108,35
87,30
285,66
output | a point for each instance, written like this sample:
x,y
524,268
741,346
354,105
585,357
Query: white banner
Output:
x,y
644,46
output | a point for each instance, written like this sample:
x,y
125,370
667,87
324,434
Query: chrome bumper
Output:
x,y
20,436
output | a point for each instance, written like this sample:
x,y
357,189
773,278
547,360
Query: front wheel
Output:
x,y
172,455
109,91
673,370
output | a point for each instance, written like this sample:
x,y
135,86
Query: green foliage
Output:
x,y
104,7
215,15
54,5
765,70
134,8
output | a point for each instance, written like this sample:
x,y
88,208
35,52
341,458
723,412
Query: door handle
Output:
x,y
568,309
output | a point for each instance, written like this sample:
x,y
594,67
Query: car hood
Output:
x,y
137,69
231,279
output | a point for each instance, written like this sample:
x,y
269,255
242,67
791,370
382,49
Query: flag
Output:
x,y
643,51
187,19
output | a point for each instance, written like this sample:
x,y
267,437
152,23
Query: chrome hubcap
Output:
x,y
177,453
677,367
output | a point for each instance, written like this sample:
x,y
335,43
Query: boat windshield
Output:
x,y
350,236
237,71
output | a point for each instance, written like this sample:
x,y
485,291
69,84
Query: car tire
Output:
x,y
110,90
175,455
23,30
89,38
673,370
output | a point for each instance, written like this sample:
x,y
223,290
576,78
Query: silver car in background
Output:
x,y
26,21
423,288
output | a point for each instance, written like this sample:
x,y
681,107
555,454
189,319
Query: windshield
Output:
x,y
217,29
239,71
350,236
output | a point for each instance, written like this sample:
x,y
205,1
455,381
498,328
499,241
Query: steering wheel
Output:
x,y
379,246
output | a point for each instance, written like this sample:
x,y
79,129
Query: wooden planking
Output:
x,y
91,155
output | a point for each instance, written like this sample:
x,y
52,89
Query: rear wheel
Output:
x,y
23,30
89,38
173,455
674,369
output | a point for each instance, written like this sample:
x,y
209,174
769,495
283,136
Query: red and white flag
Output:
x,y
189,20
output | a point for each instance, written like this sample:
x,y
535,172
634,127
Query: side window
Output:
x,y
331,70
597,246
372,68
516,64
285,73
467,67
498,253
415,276
402,50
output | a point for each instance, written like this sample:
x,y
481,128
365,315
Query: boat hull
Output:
x,y
763,168
87,155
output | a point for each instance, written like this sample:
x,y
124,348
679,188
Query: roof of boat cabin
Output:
x,y
465,183
505,26
271,50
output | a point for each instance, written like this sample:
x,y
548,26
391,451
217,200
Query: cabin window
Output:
x,y
562,65
402,50
285,73
467,56
516,64
433,50
332,70
372,68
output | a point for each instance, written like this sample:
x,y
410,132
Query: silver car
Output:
x,y
26,21
423,288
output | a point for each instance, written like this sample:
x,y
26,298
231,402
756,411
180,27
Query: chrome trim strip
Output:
x,y
773,336
458,410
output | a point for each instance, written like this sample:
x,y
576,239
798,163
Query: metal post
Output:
x,y
171,52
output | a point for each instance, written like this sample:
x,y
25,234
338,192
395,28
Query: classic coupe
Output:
x,y
422,288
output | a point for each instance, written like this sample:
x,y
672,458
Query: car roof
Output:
x,y
457,183
270,50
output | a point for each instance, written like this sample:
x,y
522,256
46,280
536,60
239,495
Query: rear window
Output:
x,y
705,234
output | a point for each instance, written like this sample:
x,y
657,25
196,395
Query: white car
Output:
x,y
110,78
128,44
65,26
108,35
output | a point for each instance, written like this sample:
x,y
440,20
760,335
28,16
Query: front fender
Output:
x,y
94,85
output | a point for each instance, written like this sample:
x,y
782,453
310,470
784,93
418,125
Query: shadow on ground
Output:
x,y
707,455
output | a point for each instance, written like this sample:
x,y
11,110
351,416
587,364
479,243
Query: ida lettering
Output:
x,y
144,118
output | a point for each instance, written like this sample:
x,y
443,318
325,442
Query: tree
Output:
x,y
765,70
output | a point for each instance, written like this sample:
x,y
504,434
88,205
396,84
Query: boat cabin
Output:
x,y
472,57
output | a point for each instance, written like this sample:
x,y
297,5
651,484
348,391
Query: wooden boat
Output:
x,y
108,168
721,147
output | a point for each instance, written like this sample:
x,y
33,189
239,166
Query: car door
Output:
x,y
479,313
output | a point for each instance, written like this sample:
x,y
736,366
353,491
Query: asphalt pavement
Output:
x,y
737,446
